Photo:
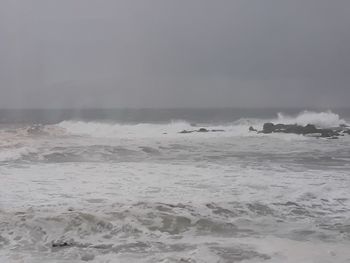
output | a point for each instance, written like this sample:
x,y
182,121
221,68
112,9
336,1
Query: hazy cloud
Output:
x,y
162,53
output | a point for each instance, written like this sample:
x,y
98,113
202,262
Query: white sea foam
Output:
x,y
237,128
99,129
146,193
149,130
148,212
11,154
321,119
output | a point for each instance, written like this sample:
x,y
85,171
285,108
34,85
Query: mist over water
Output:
x,y
149,115
125,185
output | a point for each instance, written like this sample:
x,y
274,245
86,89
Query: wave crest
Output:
x,y
100,129
240,127
326,119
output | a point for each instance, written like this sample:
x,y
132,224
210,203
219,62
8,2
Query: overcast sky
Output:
x,y
174,53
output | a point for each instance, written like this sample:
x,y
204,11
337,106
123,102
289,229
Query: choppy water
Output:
x,y
105,189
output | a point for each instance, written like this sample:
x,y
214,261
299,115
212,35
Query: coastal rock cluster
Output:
x,y
308,130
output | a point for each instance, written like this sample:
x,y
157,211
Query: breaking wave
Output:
x,y
100,129
162,231
240,127
326,119
104,192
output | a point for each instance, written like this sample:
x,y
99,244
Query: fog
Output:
x,y
160,53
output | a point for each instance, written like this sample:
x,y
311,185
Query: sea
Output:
x,y
124,185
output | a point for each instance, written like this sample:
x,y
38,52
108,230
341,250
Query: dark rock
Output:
x,y
326,133
296,129
268,128
201,130
185,131
309,129
61,244
251,128
282,127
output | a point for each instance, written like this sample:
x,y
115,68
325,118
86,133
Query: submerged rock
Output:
x,y
36,129
87,257
61,244
251,128
333,137
185,131
217,130
202,130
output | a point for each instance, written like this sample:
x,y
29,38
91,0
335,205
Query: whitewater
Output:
x,y
105,190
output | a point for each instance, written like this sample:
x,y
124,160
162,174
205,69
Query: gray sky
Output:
x,y
174,53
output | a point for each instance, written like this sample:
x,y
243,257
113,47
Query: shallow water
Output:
x,y
114,192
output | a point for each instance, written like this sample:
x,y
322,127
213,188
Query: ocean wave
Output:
x,y
159,230
240,127
326,119
171,129
149,130
12,154
101,129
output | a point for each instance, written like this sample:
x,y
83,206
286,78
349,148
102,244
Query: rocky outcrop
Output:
x,y
290,128
202,130
309,129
